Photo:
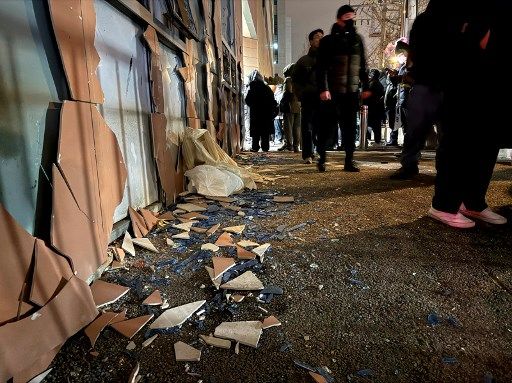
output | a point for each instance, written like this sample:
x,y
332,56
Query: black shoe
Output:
x,y
404,174
350,167
321,167
392,143
284,148
255,150
296,150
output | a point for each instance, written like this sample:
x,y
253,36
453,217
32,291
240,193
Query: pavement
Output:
x,y
373,289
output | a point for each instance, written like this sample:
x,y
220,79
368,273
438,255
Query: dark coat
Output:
x,y
376,101
341,64
304,77
260,99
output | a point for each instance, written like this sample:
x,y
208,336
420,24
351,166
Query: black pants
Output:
x,y
466,154
307,127
424,110
375,123
347,106
265,142
326,128
403,121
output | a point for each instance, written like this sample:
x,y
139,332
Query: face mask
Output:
x,y
349,24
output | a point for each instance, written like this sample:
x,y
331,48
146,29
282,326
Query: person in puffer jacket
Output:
x,y
341,70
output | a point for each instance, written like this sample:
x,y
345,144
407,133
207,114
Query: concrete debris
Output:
x,y
200,230
237,348
128,244
212,229
216,282
131,346
177,315
190,207
194,215
271,321
221,265
225,240
154,299
230,207
184,226
165,304
130,327
105,293
242,253
145,244
40,378
148,341
169,241
210,246
247,332
119,254
183,235
261,250
246,243
262,309
283,199
94,329
317,377
237,298
241,214
216,342
167,216
134,374
186,353
245,282
235,229
221,199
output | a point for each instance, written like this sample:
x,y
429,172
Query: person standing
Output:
x,y
341,68
376,112
304,85
465,156
427,72
263,109
290,107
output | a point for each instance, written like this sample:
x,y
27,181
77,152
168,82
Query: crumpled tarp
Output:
x,y
211,181
200,148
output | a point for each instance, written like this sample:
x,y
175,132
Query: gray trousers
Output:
x,y
423,111
292,130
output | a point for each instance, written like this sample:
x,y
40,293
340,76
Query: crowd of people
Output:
x,y
324,90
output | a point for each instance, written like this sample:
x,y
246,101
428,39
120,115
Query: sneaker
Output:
x,y
486,215
308,160
454,220
404,174
255,150
284,149
321,167
350,167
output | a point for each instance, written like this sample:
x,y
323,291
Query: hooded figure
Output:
x,y
260,99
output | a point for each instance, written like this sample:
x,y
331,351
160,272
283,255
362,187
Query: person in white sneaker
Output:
x,y
469,146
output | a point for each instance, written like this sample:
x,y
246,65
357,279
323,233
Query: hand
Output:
x,y
366,94
325,95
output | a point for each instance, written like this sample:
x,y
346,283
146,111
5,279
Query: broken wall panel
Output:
x,y
70,310
73,23
17,250
32,78
51,272
111,169
73,233
124,77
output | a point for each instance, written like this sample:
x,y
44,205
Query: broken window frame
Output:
x,y
176,19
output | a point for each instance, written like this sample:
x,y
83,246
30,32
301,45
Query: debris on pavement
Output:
x,y
186,353
247,332
177,315
104,293
130,327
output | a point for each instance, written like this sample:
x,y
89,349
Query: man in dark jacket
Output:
x,y
304,85
375,102
263,109
341,67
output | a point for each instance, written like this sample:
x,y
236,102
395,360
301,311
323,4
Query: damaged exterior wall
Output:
x,y
96,110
